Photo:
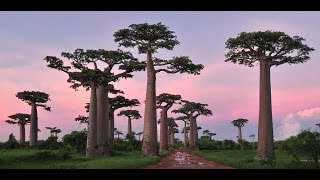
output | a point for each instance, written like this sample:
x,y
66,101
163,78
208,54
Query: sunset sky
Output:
x,y
230,90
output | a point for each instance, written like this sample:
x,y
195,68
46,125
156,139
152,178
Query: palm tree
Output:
x,y
239,123
21,120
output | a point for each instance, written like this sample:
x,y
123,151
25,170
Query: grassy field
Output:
x,y
245,159
36,159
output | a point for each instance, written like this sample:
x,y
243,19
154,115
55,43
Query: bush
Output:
x,y
50,144
206,144
12,143
76,141
44,155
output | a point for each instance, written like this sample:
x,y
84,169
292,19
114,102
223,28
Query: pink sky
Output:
x,y
230,90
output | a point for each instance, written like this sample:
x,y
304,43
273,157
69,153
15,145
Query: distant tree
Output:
x,y
210,135
148,38
76,139
21,120
205,132
171,126
269,48
117,103
82,119
34,99
239,123
164,102
318,125
185,130
118,133
54,131
139,134
252,136
130,114
12,142
192,110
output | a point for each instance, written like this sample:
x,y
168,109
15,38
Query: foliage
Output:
x,y
76,140
50,143
11,143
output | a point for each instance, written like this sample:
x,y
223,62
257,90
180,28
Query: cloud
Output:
x,y
293,123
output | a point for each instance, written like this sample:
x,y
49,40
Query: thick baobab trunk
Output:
x,y
150,140
196,137
102,122
33,125
240,138
163,130
265,130
172,138
22,134
185,136
111,126
92,128
192,133
129,126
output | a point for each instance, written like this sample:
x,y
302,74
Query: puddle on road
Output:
x,y
184,159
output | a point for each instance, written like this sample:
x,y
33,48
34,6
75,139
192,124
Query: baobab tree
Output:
x,y
318,125
172,132
139,134
21,120
118,133
117,103
252,136
268,48
164,102
149,38
185,129
239,123
210,134
205,132
98,81
192,110
131,115
171,125
34,99
54,131
82,119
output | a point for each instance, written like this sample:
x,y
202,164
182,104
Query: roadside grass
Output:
x,y
245,159
49,159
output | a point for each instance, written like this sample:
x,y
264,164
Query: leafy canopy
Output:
x,y
189,108
239,122
167,99
19,118
131,114
272,46
36,97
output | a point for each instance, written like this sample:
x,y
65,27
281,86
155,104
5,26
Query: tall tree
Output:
x,y
185,130
192,110
149,38
21,120
205,132
239,123
252,136
171,126
210,134
269,48
165,102
98,80
130,114
34,99
117,103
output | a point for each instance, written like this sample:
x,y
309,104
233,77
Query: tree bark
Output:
x,y
240,138
92,128
172,138
265,129
33,125
150,140
168,136
196,137
163,130
102,122
111,126
22,134
185,144
129,126
192,144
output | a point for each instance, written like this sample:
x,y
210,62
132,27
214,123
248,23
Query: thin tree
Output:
x,y
117,103
34,99
252,136
269,48
192,110
118,133
131,115
205,132
149,38
139,134
239,123
54,131
164,102
21,120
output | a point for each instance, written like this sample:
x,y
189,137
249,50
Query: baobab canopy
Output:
x,y
35,97
275,47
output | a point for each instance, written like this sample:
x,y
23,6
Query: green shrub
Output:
x,y
76,141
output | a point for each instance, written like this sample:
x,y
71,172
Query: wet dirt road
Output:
x,y
179,159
